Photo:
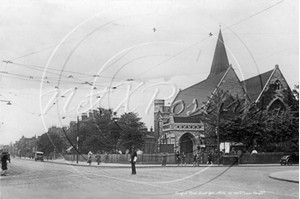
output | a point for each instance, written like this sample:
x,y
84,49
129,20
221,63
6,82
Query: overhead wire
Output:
x,y
198,73
70,82
150,34
177,53
127,51
84,75
44,49
255,14
184,49
271,55
227,27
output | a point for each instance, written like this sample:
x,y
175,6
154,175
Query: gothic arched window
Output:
x,y
277,105
277,85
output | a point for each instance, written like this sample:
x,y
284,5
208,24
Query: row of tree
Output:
x,y
98,133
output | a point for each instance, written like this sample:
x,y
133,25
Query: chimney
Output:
x,y
91,113
159,105
72,123
84,116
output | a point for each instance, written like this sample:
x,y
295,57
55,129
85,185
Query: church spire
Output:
x,y
220,62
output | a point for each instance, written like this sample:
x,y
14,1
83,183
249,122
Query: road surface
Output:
x,y
30,179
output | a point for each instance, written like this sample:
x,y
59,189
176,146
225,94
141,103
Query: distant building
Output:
x,y
26,147
176,126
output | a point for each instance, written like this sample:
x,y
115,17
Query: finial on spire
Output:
x,y
220,25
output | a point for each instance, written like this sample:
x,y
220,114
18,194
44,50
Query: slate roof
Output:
x,y
254,85
200,91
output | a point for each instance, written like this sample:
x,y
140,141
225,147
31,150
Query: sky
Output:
x,y
62,58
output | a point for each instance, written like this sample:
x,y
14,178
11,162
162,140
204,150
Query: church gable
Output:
x,y
276,93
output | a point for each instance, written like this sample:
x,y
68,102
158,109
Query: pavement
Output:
x,y
140,165
30,179
289,176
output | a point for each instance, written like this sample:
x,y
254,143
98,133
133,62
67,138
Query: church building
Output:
x,y
175,128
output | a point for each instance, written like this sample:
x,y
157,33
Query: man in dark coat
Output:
x,y
164,160
133,158
209,158
98,158
4,163
178,158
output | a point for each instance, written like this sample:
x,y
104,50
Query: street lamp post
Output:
x,y
115,118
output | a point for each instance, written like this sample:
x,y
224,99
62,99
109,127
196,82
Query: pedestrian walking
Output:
x,y
133,159
209,158
199,158
178,158
4,164
164,161
89,158
199,155
106,157
183,159
98,158
195,159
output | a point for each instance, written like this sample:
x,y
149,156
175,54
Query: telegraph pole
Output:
x,y
218,135
77,139
219,109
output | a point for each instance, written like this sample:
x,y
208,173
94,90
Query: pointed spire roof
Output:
x,y
220,62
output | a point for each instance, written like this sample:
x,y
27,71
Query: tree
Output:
x,y
101,133
281,132
97,133
282,127
48,142
132,131
249,123
235,118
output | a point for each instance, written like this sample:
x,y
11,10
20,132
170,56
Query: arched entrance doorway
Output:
x,y
186,143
